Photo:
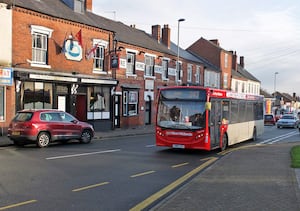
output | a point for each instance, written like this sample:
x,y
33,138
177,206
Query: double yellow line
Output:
x,y
147,202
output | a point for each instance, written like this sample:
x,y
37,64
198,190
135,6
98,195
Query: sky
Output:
x,y
266,33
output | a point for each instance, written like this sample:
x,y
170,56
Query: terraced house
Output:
x,y
59,54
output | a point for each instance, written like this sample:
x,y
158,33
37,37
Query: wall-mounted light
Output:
x,y
141,52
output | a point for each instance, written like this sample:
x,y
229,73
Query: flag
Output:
x,y
79,37
63,48
91,53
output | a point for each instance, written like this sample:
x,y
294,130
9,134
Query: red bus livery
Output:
x,y
192,117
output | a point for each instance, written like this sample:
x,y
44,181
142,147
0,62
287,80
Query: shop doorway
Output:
x,y
148,111
81,107
116,112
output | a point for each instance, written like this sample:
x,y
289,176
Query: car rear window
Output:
x,y
268,117
23,117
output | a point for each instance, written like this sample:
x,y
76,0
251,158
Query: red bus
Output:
x,y
192,117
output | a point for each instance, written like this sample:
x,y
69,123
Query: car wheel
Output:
x,y
43,139
224,142
86,137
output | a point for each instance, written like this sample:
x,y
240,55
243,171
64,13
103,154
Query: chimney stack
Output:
x,y
166,35
234,60
242,61
215,41
89,5
156,32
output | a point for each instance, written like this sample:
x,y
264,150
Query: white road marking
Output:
x,y
83,154
278,138
151,145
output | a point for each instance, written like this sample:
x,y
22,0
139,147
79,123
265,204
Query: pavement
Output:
x,y
257,177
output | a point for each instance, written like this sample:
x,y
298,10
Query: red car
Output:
x,y
43,126
269,119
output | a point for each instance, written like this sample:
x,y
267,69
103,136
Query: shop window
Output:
x,y
37,95
130,103
99,102
2,103
40,36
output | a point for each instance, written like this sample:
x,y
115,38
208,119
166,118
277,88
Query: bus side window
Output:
x,y
225,110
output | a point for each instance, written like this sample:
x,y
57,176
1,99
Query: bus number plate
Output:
x,y
178,146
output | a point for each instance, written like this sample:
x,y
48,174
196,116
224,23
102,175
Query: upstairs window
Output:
x,y
165,67
179,73
99,58
39,48
79,6
130,69
40,36
189,73
149,65
197,75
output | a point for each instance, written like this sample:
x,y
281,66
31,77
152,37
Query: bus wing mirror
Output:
x,y
208,106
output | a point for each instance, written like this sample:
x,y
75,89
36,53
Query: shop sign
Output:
x,y
6,76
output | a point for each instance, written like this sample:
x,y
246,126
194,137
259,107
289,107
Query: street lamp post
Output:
x,y
275,82
177,65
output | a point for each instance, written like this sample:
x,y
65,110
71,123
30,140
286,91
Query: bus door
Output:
x,y
215,122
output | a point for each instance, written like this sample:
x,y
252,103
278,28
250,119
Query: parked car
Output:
x,y
288,120
269,119
42,126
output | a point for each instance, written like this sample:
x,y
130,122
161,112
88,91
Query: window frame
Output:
x,y
189,72
149,65
130,66
130,100
46,33
165,69
98,59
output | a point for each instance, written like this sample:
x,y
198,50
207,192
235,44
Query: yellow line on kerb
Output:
x,y
90,186
17,205
172,186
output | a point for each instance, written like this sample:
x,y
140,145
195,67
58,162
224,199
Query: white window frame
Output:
x,y
189,72
79,6
130,98
40,53
197,75
165,67
130,63
149,65
99,58
225,80
226,60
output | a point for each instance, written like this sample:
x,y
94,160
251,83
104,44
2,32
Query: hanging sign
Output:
x,y
72,50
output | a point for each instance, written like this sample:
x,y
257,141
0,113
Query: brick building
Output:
x,y
59,54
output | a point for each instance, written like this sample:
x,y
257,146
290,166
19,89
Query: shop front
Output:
x,y
88,99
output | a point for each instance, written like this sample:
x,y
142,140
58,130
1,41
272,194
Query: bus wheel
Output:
x,y
254,136
224,142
